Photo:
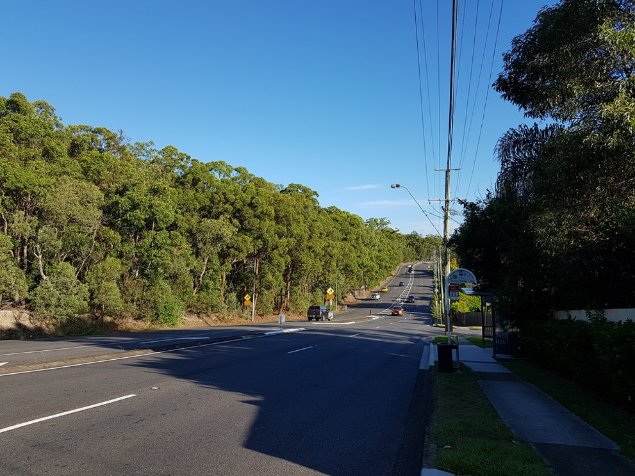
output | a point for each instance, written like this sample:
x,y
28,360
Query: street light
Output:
x,y
442,280
397,185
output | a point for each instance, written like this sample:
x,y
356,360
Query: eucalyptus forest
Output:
x,y
94,223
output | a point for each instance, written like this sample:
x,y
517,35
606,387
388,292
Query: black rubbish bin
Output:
x,y
444,354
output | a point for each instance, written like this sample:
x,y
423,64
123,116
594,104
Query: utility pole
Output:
x,y
448,168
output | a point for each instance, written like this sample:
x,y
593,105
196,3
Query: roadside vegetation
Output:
x,y
479,341
91,222
556,233
470,437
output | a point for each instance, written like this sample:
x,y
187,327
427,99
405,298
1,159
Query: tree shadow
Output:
x,y
342,414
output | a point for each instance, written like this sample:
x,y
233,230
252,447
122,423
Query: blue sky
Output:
x,y
322,93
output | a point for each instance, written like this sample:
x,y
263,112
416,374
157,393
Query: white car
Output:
x,y
376,296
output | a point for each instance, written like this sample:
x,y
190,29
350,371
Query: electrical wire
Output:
x,y
478,142
423,132
425,67
469,86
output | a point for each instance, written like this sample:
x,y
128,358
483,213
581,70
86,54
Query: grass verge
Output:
x,y
479,341
471,438
615,423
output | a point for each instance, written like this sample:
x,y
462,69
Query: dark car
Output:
x,y
397,311
410,299
401,283
319,313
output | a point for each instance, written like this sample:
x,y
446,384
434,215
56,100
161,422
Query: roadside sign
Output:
x,y
330,291
461,276
453,282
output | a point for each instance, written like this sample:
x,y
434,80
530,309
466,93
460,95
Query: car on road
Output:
x,y
401,283
397,311
384,289
375,296
410,299
319,313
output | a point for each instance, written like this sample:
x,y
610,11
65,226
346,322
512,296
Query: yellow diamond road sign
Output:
x,y
329,291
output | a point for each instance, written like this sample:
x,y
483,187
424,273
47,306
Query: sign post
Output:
x,y
330,296
247,300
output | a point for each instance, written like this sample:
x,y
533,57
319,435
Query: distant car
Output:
x,y
376,296
410,299
397,311
384,289
401,283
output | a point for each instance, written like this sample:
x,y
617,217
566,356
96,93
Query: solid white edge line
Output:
x,y
57,415
143,355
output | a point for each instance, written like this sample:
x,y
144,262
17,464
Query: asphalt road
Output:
x,y
343,397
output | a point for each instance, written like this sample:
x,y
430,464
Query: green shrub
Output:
x,y
61,295
102,282
599,355
299,301
166,307
169,311
13,285
204,301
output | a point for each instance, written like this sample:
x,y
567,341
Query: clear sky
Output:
x,y
324,93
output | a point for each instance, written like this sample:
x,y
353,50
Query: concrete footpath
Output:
x,y
568,444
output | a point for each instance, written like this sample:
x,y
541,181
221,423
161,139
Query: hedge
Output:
x,y
598,355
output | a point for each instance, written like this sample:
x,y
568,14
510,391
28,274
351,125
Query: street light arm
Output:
x,y
396,185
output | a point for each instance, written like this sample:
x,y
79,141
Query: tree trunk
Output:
x,y
287,295
37,252
200,277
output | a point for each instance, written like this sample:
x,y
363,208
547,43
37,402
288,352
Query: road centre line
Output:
x,y
57,415
145,354
300,350
354,335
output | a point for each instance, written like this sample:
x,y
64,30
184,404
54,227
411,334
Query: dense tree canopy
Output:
x,y
90,221
557,233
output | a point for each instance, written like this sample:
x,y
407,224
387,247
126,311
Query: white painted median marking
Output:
x,y
300,350
354,335
57,415
3,363
44,350
284,331
145,354
173,338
